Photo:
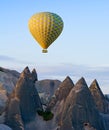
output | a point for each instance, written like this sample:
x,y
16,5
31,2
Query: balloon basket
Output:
x,y
44,51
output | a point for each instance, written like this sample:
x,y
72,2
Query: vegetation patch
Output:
x,y
47,115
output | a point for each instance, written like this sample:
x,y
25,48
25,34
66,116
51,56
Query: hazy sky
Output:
x,y
81,50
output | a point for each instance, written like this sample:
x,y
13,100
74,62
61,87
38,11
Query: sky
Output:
x,y
81,50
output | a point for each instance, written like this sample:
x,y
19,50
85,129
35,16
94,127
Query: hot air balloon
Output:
x,y
45,27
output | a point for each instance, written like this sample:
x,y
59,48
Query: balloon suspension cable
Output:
x,y
44,51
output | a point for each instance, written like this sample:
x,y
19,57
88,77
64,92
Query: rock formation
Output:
x,y
57,101
80,108
28,96
8,79
24,102
100,100
67,107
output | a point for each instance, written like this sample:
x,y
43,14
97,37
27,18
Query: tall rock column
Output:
x,y
28,96
24,102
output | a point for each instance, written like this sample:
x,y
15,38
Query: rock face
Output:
x,y
8,79
106,120
24,102
79,108
46,89
13,115
64,89
57,102
4,127
100,100
61,93
3,100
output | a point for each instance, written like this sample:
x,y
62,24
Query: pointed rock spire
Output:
x,y
99,98
81,81
62,92
34,75
94,87
64,88
81,84
26,72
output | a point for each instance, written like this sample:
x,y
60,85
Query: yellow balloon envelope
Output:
x,y
45,28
